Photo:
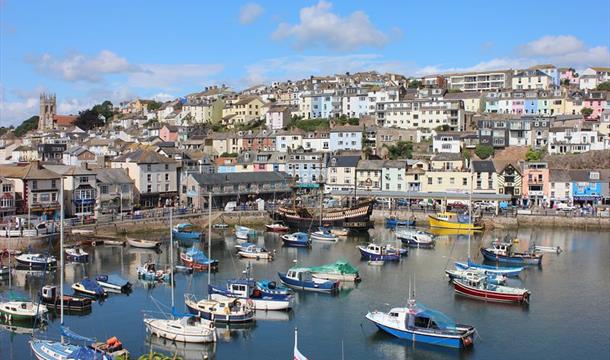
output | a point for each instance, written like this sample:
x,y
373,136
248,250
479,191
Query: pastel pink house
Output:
x,y
168,133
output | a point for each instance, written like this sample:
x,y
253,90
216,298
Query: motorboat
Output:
x,y
418,324
323,234
303,279
36,261
89,287
298,239
378,252
478,287
451,220
393,222
225,309
50,296
247,289
340,270
148,271
341,232
415,238
255,252
143,244
20,310
497,279
197,260
490,269
244,233
186,232
113,283
376,262
77,254
503,252
277,227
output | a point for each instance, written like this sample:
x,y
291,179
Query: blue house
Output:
x,y
586,186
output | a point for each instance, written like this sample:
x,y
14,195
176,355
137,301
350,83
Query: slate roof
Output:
x,y
345,161
141,156
27,172
112,176
68,170
483,166
447,157
240,178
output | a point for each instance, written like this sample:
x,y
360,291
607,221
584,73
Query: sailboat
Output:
x,y
15,309
190,329
297,354
58,350
490,270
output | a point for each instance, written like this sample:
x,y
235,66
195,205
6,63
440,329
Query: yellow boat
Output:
x,y
451,220
448,232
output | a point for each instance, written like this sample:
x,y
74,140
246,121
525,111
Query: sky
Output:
x,y
90,51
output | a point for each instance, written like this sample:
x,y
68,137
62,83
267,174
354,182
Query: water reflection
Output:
x,y
186,351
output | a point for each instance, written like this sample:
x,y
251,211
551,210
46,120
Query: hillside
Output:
x,y
590,160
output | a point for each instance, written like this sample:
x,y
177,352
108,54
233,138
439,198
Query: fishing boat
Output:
x,y
246,289
415,238
503,252
50,296
376,262
244,233
418,324
148,271
255,252
277,227
303,279
223,309
451,220
341,232
489,269
89,287
191,329
20,310
402,251
113,283
298,239
393,222
323,234
197,260
378,252
77,255
186,232
478,287
36,261
453,274
340,270
180,327
143,244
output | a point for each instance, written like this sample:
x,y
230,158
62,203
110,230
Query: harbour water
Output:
x,y
568,316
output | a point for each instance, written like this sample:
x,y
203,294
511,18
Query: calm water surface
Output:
x,y
569,314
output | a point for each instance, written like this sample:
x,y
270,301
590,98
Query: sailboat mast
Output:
x,y
9,255
171,252
61,251
470,220
209,240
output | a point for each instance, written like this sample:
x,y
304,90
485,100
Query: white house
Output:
x,y
593,76
447,142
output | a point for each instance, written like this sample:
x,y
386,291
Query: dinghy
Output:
x,y
298,239
415,238
149,272
186,232
255,252
340,270
113,283
323,234
77,255
490,269
197,260
277,227
89,287
143,244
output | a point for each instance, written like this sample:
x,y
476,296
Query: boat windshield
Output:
x,y
441,320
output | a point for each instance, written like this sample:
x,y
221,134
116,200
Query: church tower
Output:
x,y
48,108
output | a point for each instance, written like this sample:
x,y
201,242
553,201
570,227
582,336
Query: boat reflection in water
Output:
x,y
22,328
227,332
185,351
273,315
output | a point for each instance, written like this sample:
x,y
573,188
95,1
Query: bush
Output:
x,y
586,112
484,151
533,155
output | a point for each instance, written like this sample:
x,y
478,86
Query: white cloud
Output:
x,y
79,67
163,97
551,46
319,27
249,13
173,77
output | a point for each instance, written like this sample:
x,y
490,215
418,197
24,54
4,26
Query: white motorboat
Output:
x,y
255,252
22,310
415,238
190,329
143,244
225,309
37,261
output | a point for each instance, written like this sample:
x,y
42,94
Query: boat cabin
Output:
x,y
49,292
501,248
300,275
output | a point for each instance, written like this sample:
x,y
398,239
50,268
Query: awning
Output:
x,y
84,201
308,185
586,197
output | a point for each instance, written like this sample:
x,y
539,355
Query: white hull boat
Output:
x,y
143,244
186,329
261,304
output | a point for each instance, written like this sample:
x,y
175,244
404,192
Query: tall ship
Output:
x,y
356,217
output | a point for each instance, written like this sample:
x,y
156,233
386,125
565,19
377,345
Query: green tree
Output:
x,y
367,151
400,150
415,84
105,109
483,151
89,119
153,105
604,86
586,112
565,82
27,126
533,155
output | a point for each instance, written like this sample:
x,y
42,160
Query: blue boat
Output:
x,y
393,222
503,253
186,232
323,234
52,350
302,279
416,323
377,252
114,283
244,233
89,287
271,287
197,260
489,269
298,239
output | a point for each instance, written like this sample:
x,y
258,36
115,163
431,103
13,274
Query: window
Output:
x,y
149,188
53,197
451,181
464,181
104,189
34,184
429,181
44,197
83,179
53,184
439,180
166,167
149,177
166,177
148,167
6,188
166,187
125,188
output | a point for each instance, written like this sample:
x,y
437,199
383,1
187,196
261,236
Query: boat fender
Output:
x,y
250,303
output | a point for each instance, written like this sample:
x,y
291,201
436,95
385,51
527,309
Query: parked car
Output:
x,y
564,207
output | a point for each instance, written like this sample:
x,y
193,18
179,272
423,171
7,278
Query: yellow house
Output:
x,y
244,110
446,181
447,161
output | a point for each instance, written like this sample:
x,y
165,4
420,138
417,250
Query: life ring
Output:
x,y
250,303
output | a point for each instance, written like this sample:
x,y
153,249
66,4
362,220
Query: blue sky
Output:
x,y
88,51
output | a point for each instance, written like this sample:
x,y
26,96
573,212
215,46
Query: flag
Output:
x,y
297,353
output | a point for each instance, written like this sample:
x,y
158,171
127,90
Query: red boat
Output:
x,y
479,288
196,260
277,227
